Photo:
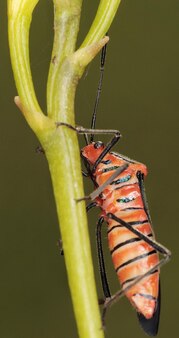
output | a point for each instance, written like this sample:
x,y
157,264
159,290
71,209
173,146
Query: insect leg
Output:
x,y
114,298
90,206
83,131
100,189
108,147
102,269
157,246
85,174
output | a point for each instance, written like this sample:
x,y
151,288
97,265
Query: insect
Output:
x,y
120,194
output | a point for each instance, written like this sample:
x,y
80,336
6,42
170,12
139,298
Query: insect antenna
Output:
x,y
102,63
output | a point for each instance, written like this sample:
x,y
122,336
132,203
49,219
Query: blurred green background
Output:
x,y
140,98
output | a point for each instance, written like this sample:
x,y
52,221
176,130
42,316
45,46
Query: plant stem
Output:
x,y
19,19
61,143
64,161
102,21
66,26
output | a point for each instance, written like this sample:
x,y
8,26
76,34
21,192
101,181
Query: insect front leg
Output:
x,y
83,131
108,147
86,131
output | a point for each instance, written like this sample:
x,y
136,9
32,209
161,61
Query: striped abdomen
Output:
x,y
132,257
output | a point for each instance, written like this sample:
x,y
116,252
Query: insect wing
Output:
x,y
150,326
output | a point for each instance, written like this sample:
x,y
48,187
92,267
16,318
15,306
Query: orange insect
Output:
x,y
120,195
130,236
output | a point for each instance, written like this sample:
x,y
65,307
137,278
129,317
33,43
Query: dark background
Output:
x,y
140,98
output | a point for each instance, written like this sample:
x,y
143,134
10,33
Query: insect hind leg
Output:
x,y
157,246
86,131
102,269
119,294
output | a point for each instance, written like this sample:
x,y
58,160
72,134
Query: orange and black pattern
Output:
x,y
124,197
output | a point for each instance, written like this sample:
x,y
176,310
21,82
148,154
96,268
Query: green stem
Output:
x,y
61,144
102,21
19,19
66,26
74,231
63,77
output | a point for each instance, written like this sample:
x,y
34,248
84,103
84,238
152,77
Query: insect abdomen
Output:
x,y
132,256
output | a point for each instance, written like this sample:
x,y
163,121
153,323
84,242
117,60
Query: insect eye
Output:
x,y
98,144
